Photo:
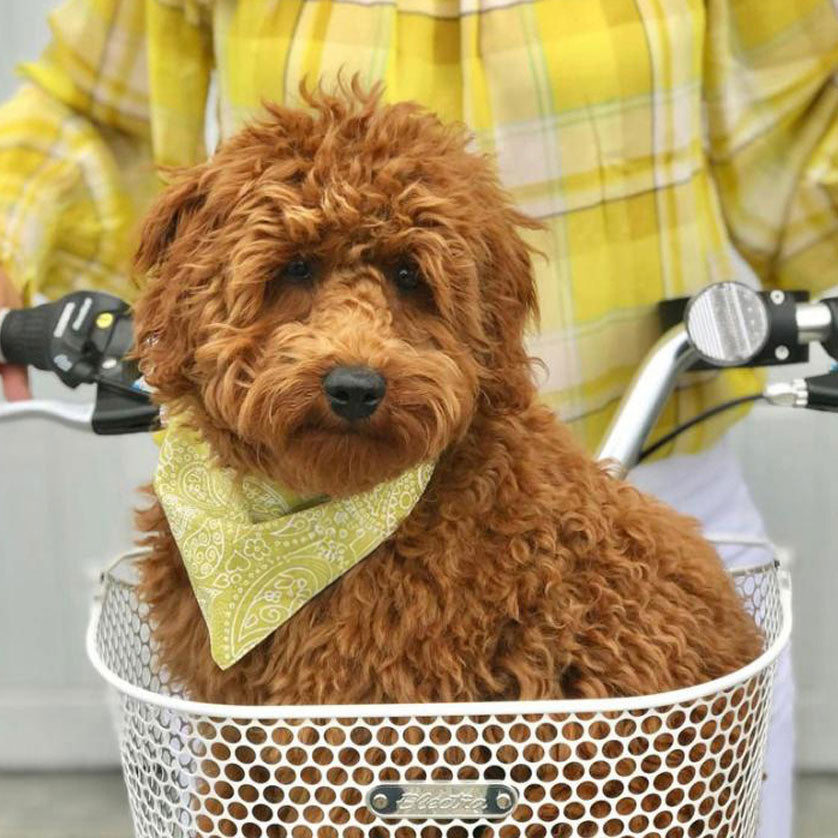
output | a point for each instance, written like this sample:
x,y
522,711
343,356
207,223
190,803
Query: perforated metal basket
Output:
x,y
685,763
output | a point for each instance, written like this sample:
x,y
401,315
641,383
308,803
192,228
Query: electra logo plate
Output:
x,y
442,800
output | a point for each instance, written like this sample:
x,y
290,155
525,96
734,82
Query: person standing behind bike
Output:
x,y
665,144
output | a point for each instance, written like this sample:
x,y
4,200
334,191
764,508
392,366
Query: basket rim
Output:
x,y
437,709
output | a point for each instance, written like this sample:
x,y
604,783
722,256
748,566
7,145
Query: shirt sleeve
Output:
x,y
76,162
771,99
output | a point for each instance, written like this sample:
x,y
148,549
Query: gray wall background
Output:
x,y
65,511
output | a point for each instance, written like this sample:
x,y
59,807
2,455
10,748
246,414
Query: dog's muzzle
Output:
x,y
354,392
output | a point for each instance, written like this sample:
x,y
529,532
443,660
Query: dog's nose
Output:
x,y
354,392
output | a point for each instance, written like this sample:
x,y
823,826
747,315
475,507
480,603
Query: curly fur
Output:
x,y
525,571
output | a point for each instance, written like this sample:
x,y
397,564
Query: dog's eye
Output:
x,y
407,276
298,270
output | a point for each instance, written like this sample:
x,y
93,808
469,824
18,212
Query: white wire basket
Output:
x,y
684,764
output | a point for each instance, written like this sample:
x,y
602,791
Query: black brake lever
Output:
x,y
85,338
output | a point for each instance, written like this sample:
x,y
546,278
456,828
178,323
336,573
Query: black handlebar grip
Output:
x,y
26,334
823,392
831,343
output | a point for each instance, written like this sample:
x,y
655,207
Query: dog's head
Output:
x,y
336,293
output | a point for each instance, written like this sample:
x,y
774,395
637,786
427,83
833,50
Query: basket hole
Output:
x,y
413,735
560,792
375,756
651,724
285,775
440,735
534,793
625,805
237,811
298,794
308,735
572,731
223,789
352,797
600,809
574,771
522,813
336,776
296,756
574,811
273,794
282,736
520,773
256,735
259,774
338,815
363,736
227,828
234,772
214,807
313,814
401,756
348,756
586,790
613,788
363,776
287,814
612,749
454,755
220,751
466,734
322,756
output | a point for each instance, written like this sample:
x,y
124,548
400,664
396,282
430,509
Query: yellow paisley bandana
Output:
x,y
256,553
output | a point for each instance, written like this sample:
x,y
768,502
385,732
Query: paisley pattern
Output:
x,y
255,552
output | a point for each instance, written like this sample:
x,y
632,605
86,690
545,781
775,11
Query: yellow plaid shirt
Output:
x,y
658,140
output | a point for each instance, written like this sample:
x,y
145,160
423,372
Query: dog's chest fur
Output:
x,y
524,572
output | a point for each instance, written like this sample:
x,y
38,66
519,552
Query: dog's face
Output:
x,y
336,294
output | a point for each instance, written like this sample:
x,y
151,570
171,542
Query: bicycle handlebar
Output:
x,y
87,336
76,416
644,400
726,324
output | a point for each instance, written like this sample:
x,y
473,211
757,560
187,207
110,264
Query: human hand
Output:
x,y
15,378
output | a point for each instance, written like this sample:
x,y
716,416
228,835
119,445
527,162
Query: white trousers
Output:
x,y
710,486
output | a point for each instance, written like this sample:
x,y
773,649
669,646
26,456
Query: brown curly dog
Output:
x,y
363,235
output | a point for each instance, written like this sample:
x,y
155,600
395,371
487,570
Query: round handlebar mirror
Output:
x,y
727,323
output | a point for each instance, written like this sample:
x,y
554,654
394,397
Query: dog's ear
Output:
x,y
509,300
163,328
167,214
